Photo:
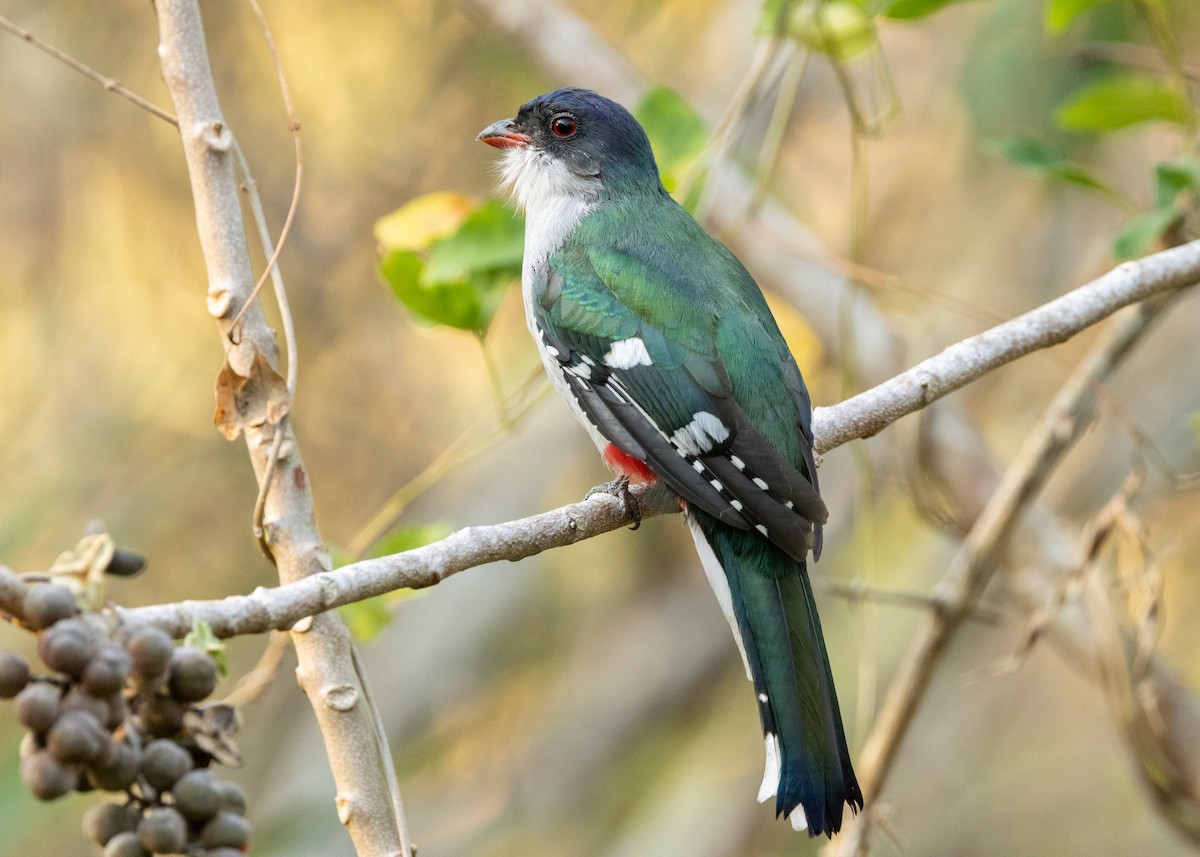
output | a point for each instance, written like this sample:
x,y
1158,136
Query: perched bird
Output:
x,y
665,350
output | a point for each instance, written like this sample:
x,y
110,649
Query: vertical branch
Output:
x,y
323,646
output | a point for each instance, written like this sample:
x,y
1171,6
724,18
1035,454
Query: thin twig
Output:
x,y
463,449
109,83
294,130
272,251
251,685
389,764
860,590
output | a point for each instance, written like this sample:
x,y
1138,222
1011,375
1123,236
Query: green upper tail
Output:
x,y
780,631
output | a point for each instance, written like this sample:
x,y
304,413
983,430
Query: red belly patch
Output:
x,y
627,465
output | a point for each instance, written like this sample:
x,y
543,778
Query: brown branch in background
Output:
x,y
1151,709
980,555
326,671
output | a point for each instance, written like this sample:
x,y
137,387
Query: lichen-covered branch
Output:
x,y
856,417
963,362
253,401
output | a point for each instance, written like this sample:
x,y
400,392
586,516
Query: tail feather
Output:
x,y
769,602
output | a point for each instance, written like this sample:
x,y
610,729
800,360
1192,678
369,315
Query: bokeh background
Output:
x,y
588,701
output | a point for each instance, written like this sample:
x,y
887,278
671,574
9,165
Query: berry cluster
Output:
x,y
118,712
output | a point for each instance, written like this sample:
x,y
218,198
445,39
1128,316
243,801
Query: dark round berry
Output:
x,y
14,674
125,845
76,737
106,672
118,710
164,762
83,783
37,706
118,768
45,776
233,798
126,563
46,604
78,700
197,796
67,647
151,650
192,675
161,716
226,830
103,821
162,831
12,591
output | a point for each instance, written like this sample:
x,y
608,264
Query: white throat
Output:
x,y
555,200
553,197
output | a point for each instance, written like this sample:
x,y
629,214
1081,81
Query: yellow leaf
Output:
x,y
421,221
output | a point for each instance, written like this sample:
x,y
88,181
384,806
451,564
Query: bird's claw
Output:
x,y
619,488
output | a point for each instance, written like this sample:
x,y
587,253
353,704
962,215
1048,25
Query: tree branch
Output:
x,y
860,416
326,671
1050,324
781,251
280,608
981,553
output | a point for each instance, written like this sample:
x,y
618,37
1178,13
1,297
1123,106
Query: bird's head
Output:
x,y
572,143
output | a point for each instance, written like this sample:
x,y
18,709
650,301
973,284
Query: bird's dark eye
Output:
x,y
563,126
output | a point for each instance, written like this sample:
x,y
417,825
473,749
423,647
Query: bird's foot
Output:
x,y
619,488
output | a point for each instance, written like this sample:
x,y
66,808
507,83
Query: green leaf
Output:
x,y
1039,158
409,538
202,637
449,260
366,619
676,131
837,28
772,20
1121,100
454,304
1138,235
491,239
1170,179
908,9
1060,13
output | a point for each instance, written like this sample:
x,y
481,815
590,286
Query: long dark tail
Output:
x,y
768,599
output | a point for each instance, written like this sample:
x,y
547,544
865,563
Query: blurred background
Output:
x,y
588,701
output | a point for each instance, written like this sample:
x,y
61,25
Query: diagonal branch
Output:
x,y
1050,324
864,414
980,555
